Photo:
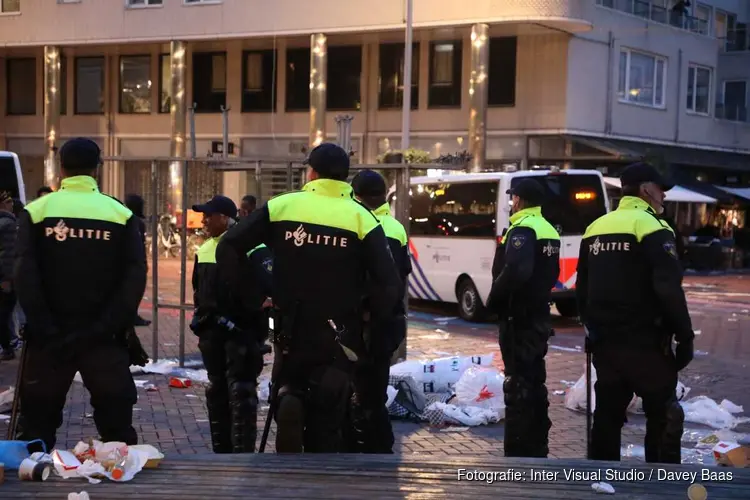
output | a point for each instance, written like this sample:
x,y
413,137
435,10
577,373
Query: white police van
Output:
x,y
11,176
457,221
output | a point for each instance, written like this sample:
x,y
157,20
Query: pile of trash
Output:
x,y
92,460
454,390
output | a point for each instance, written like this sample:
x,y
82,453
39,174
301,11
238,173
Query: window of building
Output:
x,y
344,78
89,84
135,84
502,72
63,86
21,86
145,3
465,209
209,81
165,83
445,75
735,100
258,81
199,2
699,89
642,78
68,1
7,6
298,79
392,76
703,14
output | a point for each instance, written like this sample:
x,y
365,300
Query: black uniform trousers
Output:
x,y
49,372
370,429
523,344
315,380
7,304
650,373
233,362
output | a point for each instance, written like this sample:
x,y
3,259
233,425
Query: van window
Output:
x,y
8,177
572,202
465,209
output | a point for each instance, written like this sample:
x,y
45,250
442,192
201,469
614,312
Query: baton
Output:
x,y
588,394
13,424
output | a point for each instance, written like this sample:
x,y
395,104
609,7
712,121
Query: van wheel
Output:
x,y
567,308
470,306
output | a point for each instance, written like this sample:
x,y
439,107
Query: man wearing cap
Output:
x,y
373,432
226,321
524,271
630,298
329,251
79,277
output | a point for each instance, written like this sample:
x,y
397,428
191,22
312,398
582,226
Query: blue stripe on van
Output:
x,y
424,279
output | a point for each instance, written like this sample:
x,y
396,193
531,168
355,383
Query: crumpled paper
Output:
x,y
67,464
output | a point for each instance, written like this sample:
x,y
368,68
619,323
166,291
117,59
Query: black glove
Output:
x,y
684,354
136,353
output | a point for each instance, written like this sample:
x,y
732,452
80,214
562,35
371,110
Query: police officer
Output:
x,y
630,297
228,320
79,276
524,271
375,434
325,245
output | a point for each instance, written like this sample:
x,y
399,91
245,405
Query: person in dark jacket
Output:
x,y
136,203
372,431
44,190
230,326
248,205
630,297
79,276
8,232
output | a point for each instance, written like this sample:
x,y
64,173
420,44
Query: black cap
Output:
x,y
80,154
217,205
369,183
529,190
640,173
329,159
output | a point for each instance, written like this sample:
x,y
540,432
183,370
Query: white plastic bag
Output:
x,y
704,410
441,374
467,415
391,392
481,387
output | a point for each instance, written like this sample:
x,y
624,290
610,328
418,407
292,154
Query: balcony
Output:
x,y
731,113
738,41
658,14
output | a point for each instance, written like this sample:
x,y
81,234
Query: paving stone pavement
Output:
x,y
175,420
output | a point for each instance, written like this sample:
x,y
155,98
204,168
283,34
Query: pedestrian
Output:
x,y
135,204
383,338
524,271
229,323
79,277
44,190
247,205
325,245
8,232
17,319
631,301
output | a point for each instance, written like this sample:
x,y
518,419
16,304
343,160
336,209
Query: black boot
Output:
x,y
244,405
219,418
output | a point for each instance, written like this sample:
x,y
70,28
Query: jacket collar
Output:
x,y
634,203
384,209
79,183
329,187
526,212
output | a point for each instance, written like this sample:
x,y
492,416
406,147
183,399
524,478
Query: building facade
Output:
x,y
589,83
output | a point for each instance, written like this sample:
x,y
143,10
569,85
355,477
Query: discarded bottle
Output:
x,y
118,470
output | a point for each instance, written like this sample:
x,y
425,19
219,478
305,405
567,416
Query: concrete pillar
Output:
x,y
178,115
318,73
480,57
52,86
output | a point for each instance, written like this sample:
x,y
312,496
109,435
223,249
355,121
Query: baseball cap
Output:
x,y
369,183
640,173
328,159
80,154
528,190
217,205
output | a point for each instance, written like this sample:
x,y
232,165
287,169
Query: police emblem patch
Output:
x,y
268,265
671,249
518,241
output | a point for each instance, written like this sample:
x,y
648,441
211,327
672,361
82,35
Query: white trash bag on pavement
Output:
x,y
575,397
704,410
441,374
466,415
481,387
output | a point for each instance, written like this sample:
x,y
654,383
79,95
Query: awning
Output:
x,y
739,192
635,151
677,193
